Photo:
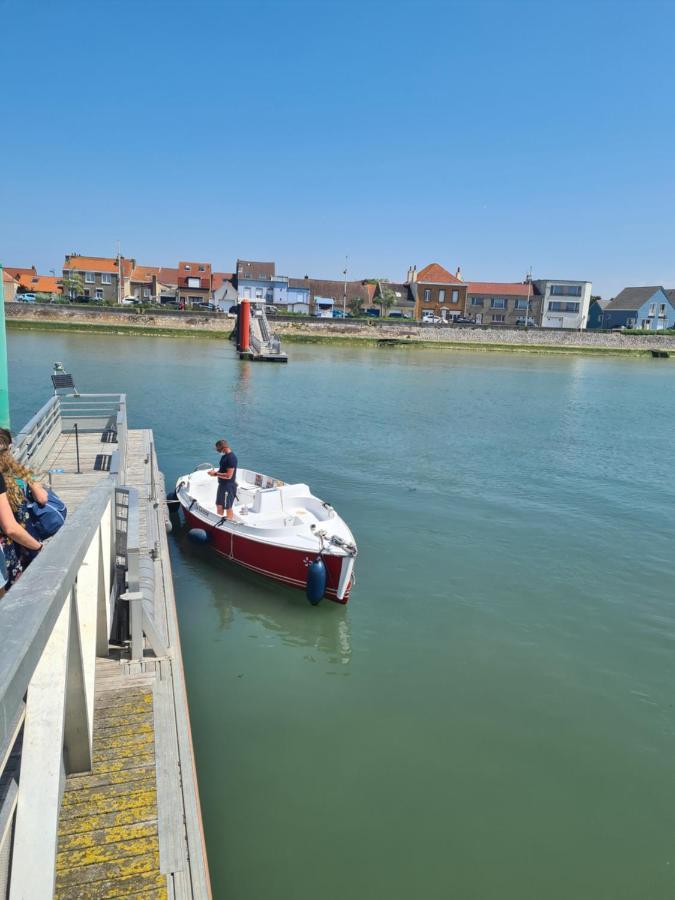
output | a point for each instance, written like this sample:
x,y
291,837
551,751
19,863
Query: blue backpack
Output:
x,y
43,521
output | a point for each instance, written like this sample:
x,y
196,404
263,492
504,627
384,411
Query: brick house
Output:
x,y
437,291
194,283
98,277
503,303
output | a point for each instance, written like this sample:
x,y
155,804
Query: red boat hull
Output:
x,y
281,564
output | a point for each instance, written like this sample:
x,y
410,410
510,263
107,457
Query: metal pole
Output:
x,y
77,448
344,295
4,384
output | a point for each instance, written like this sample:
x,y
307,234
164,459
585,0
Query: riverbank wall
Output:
x,y
175,323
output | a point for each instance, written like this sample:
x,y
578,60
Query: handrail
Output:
x,y
29,611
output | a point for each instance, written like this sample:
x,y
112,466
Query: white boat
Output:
x,y
279,529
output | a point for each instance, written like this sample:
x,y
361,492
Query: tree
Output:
x,y
386,300
354,304
73,285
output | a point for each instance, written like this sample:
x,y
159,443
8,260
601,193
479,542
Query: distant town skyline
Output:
x,y
495,136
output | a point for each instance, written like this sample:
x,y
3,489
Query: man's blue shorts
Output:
x,y
227,491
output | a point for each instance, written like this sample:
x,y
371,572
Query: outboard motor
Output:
x,y
316,581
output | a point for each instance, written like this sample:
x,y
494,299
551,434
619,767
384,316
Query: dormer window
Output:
x,y
187,268
201,269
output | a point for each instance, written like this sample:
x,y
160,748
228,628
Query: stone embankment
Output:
x,y
174,322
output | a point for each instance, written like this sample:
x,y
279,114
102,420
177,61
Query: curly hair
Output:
x,y
11,469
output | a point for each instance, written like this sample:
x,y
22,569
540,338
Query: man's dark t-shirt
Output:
x,y
3,486
228,461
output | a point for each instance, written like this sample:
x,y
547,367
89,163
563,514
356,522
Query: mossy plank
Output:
x,y
111,802
118,764
107,871
150,885
139,815
101,780
107,791
102,736
99,836
105,853
126,745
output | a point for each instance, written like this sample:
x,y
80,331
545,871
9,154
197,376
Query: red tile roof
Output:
x,y
436,274
7,277
42,284
144,273
15,271
509,289
167,276
97,264
192,270
219,278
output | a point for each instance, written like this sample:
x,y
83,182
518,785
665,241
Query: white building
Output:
x,y
564,303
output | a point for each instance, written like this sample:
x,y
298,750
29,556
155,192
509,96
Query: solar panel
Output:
x,y
62,380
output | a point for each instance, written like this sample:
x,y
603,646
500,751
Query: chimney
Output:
x,y
458,273
412,275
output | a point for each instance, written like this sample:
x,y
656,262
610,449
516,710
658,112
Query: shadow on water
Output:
x,y
280,610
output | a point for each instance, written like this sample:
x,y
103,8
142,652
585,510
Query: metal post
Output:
x,y
77,448
344,293
4,384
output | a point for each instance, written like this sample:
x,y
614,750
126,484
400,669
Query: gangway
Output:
x,y
255,339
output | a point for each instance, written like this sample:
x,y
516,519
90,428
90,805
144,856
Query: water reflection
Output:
x,y
280,610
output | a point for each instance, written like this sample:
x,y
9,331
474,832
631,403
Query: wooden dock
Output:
x,y
127,821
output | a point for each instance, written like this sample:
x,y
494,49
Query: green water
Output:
x,y
492,715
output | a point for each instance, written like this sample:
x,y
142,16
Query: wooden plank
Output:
x,y
170,809
148,885
85,824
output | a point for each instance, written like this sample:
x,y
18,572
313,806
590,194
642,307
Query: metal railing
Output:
x,y
54,623
74,414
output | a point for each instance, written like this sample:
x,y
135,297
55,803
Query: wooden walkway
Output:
x,y
132,826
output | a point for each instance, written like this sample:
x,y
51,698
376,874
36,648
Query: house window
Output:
x,y
258,293
99,293
427,295
146,292
247,293
455,296
106,278
559,306
193,282
476,301
89,277
521,303
202,269
187,268
630,323
652,309
498,303
441,296
194,300
498,317
566,290
662,309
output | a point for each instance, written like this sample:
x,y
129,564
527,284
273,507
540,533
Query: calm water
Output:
x,y
492,716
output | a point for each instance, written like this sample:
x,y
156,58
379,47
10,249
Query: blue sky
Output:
x,y
491,135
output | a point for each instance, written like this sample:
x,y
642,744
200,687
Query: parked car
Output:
x,y
373,313
462,320
271,310
431,319
398,315
338,314
209,307
526,320
25,298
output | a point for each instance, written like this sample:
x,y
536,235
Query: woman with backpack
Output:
x,y
17,486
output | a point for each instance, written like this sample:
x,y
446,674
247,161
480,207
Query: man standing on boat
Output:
x,y
226,474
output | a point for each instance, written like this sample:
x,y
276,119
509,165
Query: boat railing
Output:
x,y
55,621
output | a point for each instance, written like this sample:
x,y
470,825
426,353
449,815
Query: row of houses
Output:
x,y
433,291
